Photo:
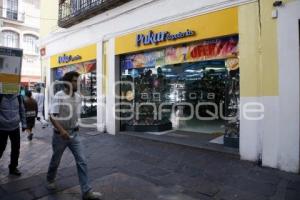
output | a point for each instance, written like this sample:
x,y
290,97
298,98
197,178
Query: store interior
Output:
x,y
197,101
193,83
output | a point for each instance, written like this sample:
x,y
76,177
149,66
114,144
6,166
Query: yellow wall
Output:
x,y
49,16
269,56
258,50
249,50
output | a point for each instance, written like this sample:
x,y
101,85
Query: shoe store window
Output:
x,y
190,89
88,85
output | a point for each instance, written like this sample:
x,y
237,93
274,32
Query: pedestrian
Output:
x,y
22,91
31,110
39,97
64,114
12,112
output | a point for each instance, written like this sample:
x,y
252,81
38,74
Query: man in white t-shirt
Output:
x,y
64,115
39,97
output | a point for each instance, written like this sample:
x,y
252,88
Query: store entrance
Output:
x,y
171,96
198,89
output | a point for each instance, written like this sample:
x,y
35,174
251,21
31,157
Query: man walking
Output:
x,y
31,109
64,114
12,111
39,97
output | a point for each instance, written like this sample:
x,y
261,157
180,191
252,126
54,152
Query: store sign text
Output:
x,y
156,38
66,58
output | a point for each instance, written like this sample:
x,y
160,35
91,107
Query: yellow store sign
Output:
x,y
211,25
84,54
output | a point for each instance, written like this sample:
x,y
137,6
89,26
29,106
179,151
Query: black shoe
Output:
x,y
15,172
92,196
30,137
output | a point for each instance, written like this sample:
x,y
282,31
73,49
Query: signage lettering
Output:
x,y
66,59
155,38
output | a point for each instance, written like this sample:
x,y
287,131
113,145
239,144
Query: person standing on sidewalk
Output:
x,y
39,97
64,114
31,109
12,112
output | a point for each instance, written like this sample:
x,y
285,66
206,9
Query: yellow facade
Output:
x,y
211,25
253,22
257,42
86,54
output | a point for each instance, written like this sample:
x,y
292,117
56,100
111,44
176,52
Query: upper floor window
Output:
x,y
10,39
12,9
30,44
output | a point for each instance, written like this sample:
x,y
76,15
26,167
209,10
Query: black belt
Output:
x,y
75,129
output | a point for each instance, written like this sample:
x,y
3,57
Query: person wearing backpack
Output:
x,y
31,109
12,112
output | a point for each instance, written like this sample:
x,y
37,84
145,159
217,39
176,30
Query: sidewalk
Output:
x,y
129,168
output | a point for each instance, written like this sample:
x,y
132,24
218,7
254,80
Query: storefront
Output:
x,y
83,61
183,76
179,42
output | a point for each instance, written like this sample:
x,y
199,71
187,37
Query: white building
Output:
x,y
19,28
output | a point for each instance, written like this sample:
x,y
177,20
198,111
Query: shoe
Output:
x,y
15,172
92,196
45,125
51,185
30,136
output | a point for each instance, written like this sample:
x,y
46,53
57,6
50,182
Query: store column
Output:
x,y
48,87
113,77
100,92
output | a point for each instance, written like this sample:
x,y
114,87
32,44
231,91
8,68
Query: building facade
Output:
x,y
137,56
20,25
48,25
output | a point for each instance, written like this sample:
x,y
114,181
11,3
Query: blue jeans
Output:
x,y
59,145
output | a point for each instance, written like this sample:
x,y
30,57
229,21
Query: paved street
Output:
x,y
130,168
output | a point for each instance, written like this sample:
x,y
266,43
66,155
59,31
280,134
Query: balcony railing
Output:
x,y
72,12
13,15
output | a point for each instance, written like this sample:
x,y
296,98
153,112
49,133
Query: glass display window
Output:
x,y
88,85
178,88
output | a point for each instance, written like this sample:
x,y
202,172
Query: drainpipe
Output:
x,y
260,86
